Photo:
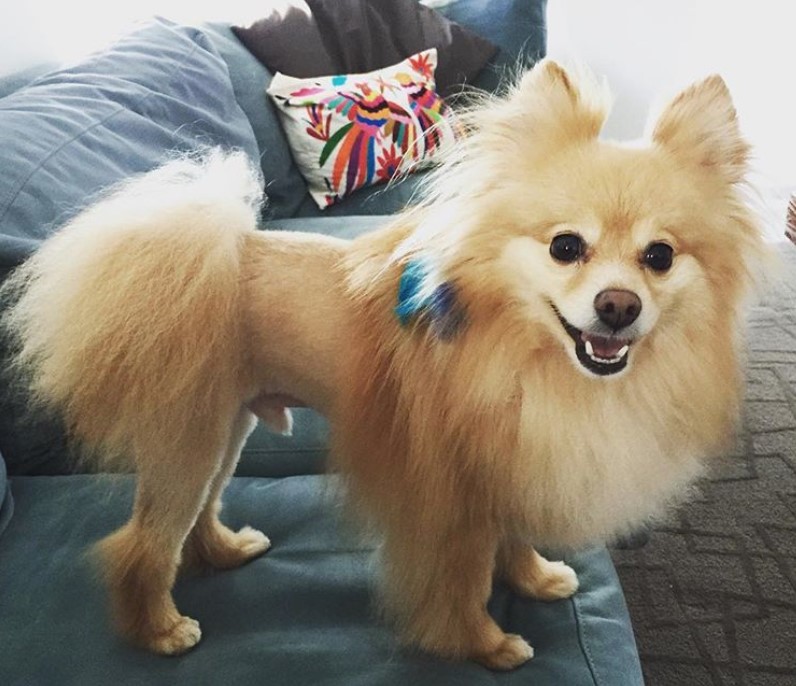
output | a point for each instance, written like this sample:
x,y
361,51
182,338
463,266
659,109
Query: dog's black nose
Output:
x,y
617,308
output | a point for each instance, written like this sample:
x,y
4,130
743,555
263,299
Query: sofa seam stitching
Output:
x,y
580,624
49,156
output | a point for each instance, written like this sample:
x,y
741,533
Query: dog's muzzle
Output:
x,y
599,354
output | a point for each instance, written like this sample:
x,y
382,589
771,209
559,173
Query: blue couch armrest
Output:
x,y
69,134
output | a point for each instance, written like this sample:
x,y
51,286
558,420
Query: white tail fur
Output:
x,y
108,314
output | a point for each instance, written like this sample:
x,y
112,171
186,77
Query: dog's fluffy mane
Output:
x,y
546,452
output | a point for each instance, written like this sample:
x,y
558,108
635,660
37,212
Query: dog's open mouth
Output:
x,y
601,355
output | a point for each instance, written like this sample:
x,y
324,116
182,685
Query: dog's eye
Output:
x,y
659,256
567,247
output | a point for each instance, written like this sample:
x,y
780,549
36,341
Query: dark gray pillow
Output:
x,y
325,37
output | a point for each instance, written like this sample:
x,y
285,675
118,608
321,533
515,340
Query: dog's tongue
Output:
x,y
604,347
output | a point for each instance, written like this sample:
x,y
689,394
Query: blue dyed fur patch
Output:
x,y
440,307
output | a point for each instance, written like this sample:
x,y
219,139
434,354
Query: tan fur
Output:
x,y
159,322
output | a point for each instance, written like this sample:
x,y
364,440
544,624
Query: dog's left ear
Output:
x,y
555,100
701,127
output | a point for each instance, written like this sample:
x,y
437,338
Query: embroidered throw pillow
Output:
x,y
355,130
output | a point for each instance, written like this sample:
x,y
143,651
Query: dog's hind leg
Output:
x,y
141,559
532,575
211,542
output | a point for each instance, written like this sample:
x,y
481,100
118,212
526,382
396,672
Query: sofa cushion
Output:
x,y
301,614
517,27
308,38
272,455
339,227
284,184
353,130
378,200
13,81
69,134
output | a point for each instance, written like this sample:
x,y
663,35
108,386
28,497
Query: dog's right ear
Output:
x,y
554,101
700,126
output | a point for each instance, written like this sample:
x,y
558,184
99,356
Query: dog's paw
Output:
x,y
221,548
558,581
510,653
181,637
548,581
238,548
251,542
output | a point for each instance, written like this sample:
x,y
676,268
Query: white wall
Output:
x,y
39,30
648,49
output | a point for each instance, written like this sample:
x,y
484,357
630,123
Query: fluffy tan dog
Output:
x,y
542,354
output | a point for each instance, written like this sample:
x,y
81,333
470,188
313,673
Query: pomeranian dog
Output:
x,y
543,353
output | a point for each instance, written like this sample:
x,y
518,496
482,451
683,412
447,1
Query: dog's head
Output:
x,y
595,243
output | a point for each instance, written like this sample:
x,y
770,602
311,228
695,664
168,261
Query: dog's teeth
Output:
x,y
605,360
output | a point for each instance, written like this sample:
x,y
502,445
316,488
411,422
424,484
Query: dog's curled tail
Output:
x,y
126,320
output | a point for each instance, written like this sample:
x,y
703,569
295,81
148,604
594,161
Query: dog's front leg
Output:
x,y
437,587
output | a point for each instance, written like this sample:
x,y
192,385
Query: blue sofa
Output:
x,y
301,614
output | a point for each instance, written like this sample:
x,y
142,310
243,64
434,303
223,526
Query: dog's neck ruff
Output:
x,y
418,300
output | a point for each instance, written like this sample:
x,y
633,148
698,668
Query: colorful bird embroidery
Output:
x,y
319,122
386,119
422,64
389,163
